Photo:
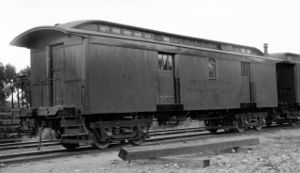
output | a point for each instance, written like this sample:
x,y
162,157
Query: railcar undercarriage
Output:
x,y
239,120
256,119
74,129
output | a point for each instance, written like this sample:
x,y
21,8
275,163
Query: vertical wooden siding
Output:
x,y
68,63
39,85
74,74
121,79
264,78
198,92
58,61
68,74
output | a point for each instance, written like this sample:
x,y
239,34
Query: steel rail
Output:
x,y
54,153
32,144
168,138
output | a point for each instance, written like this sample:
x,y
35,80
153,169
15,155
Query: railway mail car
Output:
x,y
98,81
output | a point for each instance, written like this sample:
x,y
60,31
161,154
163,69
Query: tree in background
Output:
x,y
22,81
10,73
2,95
7,74
12,82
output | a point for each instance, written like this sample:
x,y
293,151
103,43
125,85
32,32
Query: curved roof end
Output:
x,y
26,38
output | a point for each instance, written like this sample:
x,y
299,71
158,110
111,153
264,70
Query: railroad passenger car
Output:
x,y
97,81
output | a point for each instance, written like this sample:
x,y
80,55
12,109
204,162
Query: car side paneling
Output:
x,y
121,79
74,77
38,78
265,86
70,67
198,92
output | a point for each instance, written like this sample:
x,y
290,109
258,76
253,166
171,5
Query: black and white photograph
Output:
x,y
150,86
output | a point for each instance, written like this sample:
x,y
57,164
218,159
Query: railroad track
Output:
x,y
153,133
158,137
32,144
12,140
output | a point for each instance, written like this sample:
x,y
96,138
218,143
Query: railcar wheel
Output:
x,y
258,127
101,145
213,131
238,126
70,147
292,123
137,142
97,141
269,122
239,129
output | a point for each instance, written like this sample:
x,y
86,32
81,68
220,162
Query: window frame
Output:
x,y
148,36
215,77
103,28
137,34
127,32
115,30
161,66
243,72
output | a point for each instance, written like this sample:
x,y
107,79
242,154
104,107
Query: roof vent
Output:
x,y
266,49
56,24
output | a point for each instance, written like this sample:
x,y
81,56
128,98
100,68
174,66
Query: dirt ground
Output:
x,y
278,151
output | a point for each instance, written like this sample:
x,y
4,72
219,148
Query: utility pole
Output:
x,y
12,94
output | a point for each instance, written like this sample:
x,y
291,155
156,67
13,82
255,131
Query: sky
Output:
x,y
246,22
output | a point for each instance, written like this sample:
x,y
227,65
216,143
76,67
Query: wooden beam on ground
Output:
x,y
191,147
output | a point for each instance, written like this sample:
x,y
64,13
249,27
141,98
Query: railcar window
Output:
x,y
137,34
116,30
127,32
167,39
212,68
148,36
245,69
165,62
104,28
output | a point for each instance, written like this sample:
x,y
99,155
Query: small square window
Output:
x,y
137,34
167,39
165,62
148,36
127,32
104,28
175,40
116,30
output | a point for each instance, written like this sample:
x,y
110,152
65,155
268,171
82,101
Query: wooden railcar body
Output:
x,y
108,69
105,72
